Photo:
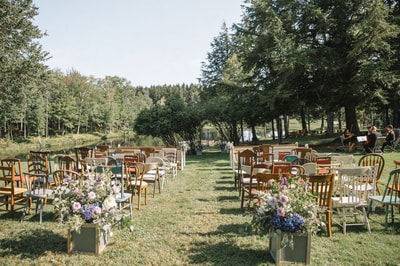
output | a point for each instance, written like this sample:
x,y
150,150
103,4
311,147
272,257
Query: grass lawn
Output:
x,y
196,220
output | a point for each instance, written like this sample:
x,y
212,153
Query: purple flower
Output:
x,y
88,212
284,182
76,206
281,212
283,199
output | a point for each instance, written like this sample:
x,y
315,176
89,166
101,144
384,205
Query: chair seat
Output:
x,y
40,193
363,187
17,190
137,184
154,172
246,180
395,199
122,198
149,177
352,201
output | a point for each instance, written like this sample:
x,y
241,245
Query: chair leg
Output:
x,y
386,216
41,211
366,219
145,196
154,188
139,195
242,199
159,186
328,223
130,208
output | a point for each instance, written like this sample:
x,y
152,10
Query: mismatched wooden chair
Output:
x,y
8,189
267,153
18,175
66,162
281,168
322,187
260,185
136,184
377,160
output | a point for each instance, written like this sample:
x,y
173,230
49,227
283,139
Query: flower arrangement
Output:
x,y
87,201
287,207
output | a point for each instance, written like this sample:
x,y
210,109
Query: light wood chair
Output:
x,y
136,184
374,159
12,193
322,187
18,175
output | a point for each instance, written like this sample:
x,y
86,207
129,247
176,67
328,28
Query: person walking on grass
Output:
x,y
390,137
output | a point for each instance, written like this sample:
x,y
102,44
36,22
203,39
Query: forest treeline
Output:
x,y
332,60
38,101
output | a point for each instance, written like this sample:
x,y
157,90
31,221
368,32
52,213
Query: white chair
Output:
x,y
353,190
151,176
170,157
163,169
310,169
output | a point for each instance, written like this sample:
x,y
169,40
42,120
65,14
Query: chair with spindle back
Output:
x,y
147,150
281,168
163,168
60,175
66,162
374,159
8,189
246,162
301,152
42,156
136,184
130,163
267,153
18,175
390,197
353,193
38,167
170,156
103,148
151,175
322,187
260,182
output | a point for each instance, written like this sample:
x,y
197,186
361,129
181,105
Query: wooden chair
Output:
x,y
297,170
42,156
136,183
38,167
18,175
281,168
130,163
163,168
322,187
147,150
260,185
151,175
66,162
390,197
301,152
246,161
267,153
12,193
102,148
60,175
374,159
282,155
170,156
310,169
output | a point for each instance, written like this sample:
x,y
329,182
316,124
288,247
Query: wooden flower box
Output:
x,y
299,252
90,239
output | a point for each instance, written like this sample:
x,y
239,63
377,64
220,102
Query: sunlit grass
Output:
x,y
196,220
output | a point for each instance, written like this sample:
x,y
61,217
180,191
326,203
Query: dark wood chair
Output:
x,y
66,162
322,187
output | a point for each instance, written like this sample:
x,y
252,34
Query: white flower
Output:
x,y
109,203
91,195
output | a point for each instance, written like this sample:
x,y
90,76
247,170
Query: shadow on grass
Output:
x,y
227,254
225,182
227,177
218,188
242,229
32,244
234,211
228,198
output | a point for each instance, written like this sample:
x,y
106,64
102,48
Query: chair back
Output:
x,y
281,168
301,152
147,150
261,168
310,169
310,156
267,153
102,148
264,180
343,160
38,164
392,189
246,161
373,159
297,170
84,152
170,154
66,162
60,175
322,187
17,167
156,160
293,159
8,178
352,186
282,155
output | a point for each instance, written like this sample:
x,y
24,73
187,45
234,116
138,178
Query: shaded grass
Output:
x,y
196,220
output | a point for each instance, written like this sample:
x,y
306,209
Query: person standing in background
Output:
x,y
390,137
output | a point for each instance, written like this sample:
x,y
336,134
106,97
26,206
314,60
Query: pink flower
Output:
x,y
281,212
76,206
91,195
283,199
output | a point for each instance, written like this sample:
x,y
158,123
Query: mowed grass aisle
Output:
x,y
196,220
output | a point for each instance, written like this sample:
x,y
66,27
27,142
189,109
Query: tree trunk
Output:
x,y
309,123
387,117
396,115
351,118
340,120
241,130
330,123
254,135
273,129
279,127
322,124
286,126
303,121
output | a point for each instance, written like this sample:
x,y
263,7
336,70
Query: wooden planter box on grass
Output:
x,y
90,239
299,252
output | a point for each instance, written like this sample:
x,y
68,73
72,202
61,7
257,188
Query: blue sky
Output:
x,y
146,41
